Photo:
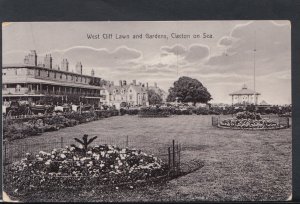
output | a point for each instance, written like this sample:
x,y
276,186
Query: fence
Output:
x,y
215,121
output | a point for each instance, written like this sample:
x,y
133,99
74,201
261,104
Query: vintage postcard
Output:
x,y
147,111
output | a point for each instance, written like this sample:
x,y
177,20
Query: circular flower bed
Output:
x,y
73,167
249,123
248,120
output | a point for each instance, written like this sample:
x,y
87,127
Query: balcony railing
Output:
x,y
45,92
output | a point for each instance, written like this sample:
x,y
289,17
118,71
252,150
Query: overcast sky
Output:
x,y
222,63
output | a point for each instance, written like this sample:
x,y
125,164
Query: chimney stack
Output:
x,y
48,61
78,68
65,65
93,73
147,85
31,58
120,82
124,82
134,82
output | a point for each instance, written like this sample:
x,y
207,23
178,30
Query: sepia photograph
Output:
x,y
147,111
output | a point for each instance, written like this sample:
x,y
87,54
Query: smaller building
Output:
x,y
125,94
244,96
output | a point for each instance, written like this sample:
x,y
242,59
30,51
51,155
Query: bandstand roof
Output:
x,y
244,91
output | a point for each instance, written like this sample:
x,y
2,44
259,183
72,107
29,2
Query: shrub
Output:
x,y
248,115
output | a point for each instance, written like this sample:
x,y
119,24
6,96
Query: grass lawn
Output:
x,y
237,165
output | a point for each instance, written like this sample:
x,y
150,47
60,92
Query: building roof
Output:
x,y
137,88
244,91
45,68
264,103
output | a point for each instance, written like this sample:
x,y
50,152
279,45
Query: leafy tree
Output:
x,y
154,98
188,90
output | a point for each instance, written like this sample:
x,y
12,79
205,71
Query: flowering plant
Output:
x,y
249,123
72,167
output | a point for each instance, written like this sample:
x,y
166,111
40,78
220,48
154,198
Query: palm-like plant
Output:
x,y
85,142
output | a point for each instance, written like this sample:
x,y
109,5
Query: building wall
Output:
x,y
115,95
12,74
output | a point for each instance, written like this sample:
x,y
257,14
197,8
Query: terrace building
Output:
x,y
244,96
32,81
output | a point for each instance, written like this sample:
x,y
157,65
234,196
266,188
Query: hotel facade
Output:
x,y
32,81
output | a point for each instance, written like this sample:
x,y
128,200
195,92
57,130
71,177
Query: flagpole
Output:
x,y
254,59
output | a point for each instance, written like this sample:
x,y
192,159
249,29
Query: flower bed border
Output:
x,y
153,116
166,177
237,128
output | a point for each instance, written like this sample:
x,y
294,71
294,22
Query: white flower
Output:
x,y
102,165
27,154
52,156
89,152
43,153
63,156
72,148
131,187
80,146
48,162
117,187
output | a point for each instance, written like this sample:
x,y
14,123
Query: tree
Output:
x,y
187,89
154,98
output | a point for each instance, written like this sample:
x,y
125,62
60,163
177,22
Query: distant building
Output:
x,y
130,94
159,91
244,96
32,82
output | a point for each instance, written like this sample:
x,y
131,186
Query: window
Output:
x,y
55,75
3,73
18,87
130,97
85,80
72,77
66,77
39,72
16,71
48,73
60,76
